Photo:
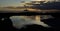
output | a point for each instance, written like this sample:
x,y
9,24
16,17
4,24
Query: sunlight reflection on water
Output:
x,y
21,21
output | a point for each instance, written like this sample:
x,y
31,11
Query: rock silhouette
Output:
x,y
55,22
35,27
6,25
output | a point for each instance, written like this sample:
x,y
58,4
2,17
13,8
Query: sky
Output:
x,y
4,3
11,2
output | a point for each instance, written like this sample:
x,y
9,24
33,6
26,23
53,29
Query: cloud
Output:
x,y
37,0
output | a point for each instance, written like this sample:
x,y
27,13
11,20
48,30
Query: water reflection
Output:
x,y
21,21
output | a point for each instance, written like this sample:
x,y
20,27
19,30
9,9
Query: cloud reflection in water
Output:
x,y
21,21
